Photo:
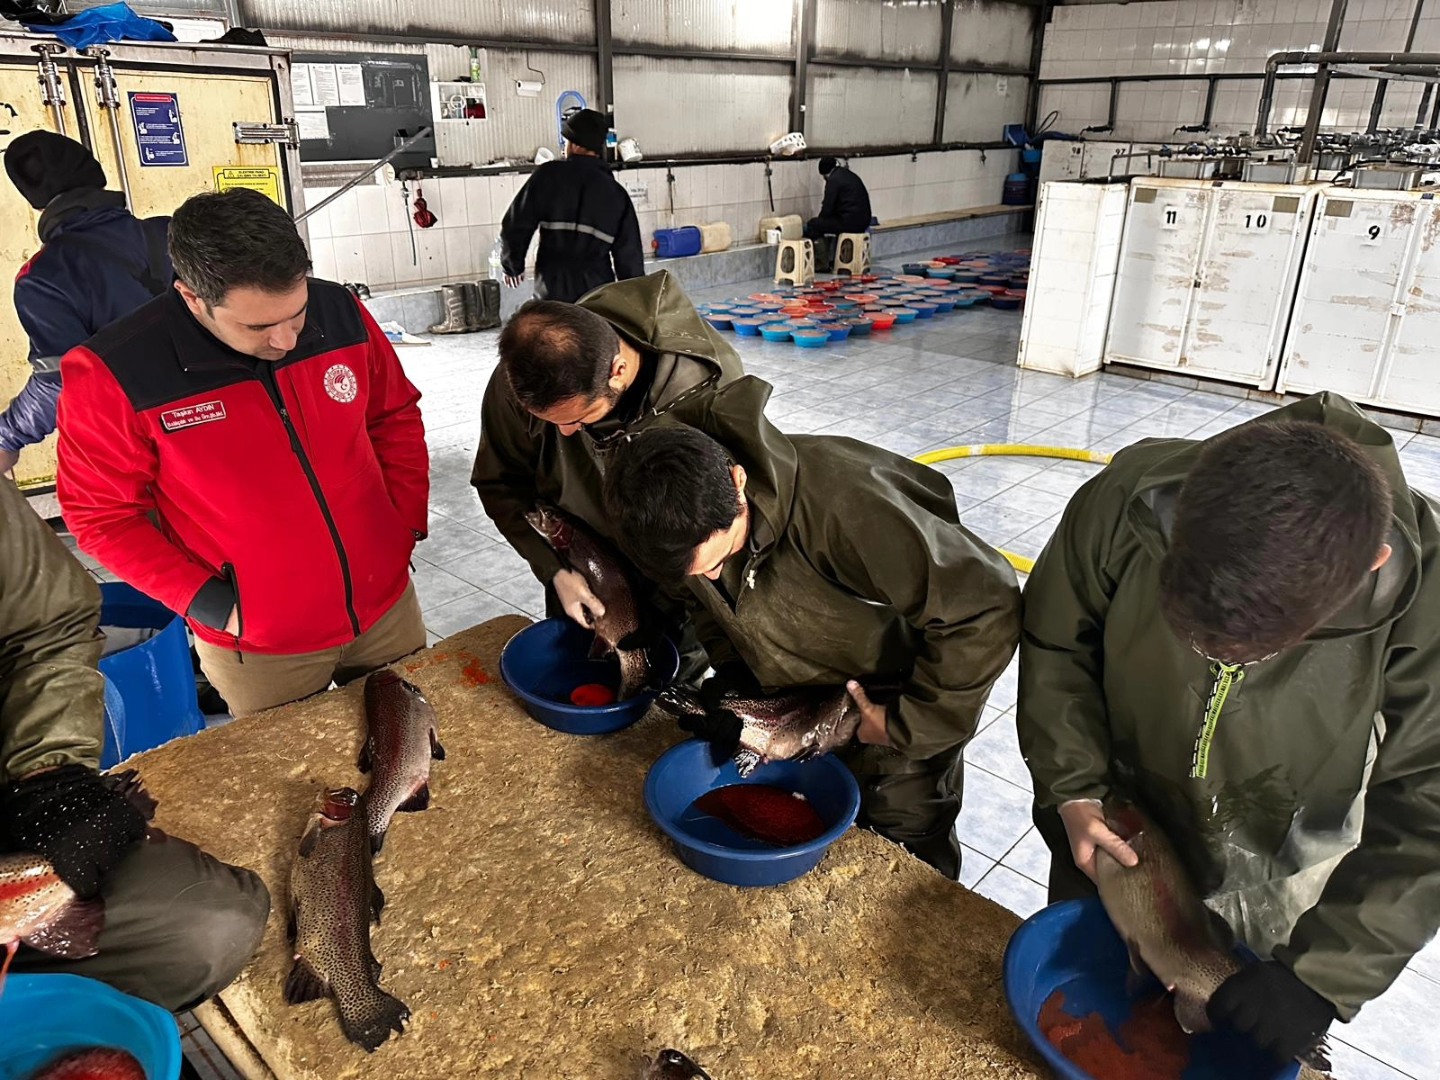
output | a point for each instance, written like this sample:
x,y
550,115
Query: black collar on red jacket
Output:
x,y
201,351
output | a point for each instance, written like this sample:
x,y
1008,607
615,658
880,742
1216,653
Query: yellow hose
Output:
x,y
1021,563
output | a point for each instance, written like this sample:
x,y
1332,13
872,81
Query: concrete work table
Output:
x,y
539,925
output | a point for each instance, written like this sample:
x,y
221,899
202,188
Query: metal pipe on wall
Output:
x,y
107,97
1322,84
605,49
365,174
1037,45
942,88
1283,59
1377,107
804,45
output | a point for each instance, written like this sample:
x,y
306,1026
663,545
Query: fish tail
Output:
x,y
369,1023
1318,1058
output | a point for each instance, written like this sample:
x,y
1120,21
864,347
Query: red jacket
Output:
x,y
301,484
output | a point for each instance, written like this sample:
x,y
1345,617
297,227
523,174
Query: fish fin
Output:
x,y
436,750
377,841
376,968
309,839
1318,1058
600,648
377,903
74,933
746,761
375,1020
416,802
364,762
1190,1014
304,983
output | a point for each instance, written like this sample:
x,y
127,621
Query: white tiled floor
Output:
x,y
933,384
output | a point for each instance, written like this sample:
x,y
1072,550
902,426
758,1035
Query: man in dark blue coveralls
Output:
x,y
97,263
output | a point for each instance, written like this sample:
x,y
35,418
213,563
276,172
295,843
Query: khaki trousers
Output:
x,y
253,682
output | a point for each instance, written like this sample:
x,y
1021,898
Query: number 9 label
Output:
x,y
1372,235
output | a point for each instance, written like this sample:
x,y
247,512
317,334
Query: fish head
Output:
x,y
385,680
552,525
672,1065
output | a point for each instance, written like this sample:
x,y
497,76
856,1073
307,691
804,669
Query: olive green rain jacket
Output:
x,y
698,383
1303,791
858,567
52,696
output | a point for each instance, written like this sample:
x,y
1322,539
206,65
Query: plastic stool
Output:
x,y
795,262
852,253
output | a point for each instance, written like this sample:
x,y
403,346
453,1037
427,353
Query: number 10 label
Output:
x,y
1256,221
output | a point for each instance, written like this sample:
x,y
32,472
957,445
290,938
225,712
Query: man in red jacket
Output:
x,y
247,450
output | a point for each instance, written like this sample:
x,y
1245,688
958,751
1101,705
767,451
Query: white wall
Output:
x,y
1204,37
366,236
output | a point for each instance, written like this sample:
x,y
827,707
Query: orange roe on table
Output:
x,y
592,695
1151,1046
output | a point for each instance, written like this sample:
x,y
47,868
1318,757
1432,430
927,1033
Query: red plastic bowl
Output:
x,y
881,321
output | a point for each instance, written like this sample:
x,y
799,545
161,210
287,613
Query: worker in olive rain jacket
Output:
x,y
589,234
1241,635
829,561
178,924
575,381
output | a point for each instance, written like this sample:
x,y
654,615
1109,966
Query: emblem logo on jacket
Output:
x,y
204,413
341,384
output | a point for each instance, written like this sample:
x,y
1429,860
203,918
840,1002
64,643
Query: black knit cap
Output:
x,y
587,128
827,166
43,165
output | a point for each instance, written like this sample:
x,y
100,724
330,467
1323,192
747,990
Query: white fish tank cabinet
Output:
x,y
1366,319
1206,275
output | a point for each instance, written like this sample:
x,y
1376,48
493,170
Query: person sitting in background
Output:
x,y
845,207
589,234
823,562
97,263
178,924
248,451
1240,635
573,383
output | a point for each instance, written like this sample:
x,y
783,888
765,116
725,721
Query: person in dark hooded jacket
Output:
x,y
589,234
98,263
846,206
1239,635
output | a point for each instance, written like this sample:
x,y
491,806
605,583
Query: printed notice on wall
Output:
x,y
313,124
264,179
326,83
158,134
300,89
352,84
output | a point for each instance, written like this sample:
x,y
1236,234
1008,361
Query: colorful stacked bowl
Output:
x,y
882,320
811,339
904,314
859,327
839,329
924,310
776,331
749,327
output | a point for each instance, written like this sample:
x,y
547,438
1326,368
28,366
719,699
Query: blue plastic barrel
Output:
x,y
673,243
150,695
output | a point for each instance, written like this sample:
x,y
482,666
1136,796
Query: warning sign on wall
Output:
x,y
158,132
264,179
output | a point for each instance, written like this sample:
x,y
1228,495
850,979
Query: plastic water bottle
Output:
x,y
496,271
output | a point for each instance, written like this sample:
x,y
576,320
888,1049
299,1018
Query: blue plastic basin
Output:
x,y
544,663
1073,947
710,847
775,331
44,1016
149,688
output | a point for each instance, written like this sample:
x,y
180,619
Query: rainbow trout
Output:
x,y
794,725
589,556
672,1065
1168,930
399,746
38,909
333,899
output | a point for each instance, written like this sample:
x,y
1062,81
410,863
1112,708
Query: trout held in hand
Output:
x,y
794,725
672,1065
333,899
400,743
1168,930
603,571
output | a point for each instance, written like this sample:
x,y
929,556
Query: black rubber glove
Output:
x,y
717,724
82,822
1279,1012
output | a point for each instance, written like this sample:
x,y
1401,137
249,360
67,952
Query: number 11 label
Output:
x,y
1170,218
